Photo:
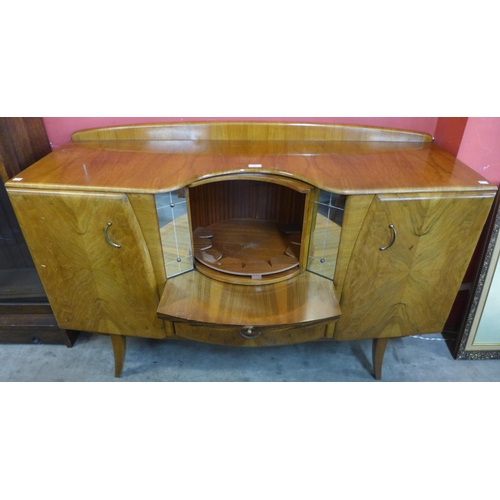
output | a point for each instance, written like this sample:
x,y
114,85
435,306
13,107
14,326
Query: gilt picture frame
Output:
x,y
481,334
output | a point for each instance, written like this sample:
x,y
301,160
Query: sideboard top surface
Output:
x,y
353,163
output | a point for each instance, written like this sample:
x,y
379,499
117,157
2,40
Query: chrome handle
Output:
x,y
107,236
394,235
248,333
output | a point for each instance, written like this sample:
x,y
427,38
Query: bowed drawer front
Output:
x,y
250,336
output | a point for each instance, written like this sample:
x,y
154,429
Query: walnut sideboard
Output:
x,y
251,234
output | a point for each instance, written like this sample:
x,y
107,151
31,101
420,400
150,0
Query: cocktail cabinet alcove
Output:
x,y
251,234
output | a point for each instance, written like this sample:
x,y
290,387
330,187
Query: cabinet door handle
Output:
x,y
247,333
394,235
113,244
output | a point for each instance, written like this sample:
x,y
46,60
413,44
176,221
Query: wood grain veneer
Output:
x,y
235,279
145,211
195,298
410,287
264,336
91,285
23,141
144,207
362,167
248,131
355,212
247,247
246,199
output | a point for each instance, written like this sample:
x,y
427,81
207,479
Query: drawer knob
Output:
x,y
248,333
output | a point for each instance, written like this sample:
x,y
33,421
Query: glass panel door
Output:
x,y
325,236
174,231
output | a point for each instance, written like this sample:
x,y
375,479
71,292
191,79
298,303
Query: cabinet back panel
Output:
x,y
244,199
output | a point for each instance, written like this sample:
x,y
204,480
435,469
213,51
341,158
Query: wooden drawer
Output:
x,y
234,335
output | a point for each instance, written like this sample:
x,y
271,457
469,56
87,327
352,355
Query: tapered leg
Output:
x,y
119,345
378,350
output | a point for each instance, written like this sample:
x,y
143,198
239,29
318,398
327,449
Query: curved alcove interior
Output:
x,y
246,247
247,228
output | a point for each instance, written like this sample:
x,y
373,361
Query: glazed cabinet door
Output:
x,y
93,261
408,262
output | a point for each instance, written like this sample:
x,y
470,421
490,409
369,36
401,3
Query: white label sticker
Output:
x,y
254,165
17,179
483,182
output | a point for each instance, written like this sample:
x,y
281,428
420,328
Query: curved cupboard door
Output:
x,y
98,277
408,263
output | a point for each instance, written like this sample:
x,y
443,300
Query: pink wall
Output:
x,y
59,130
449,133
480,147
